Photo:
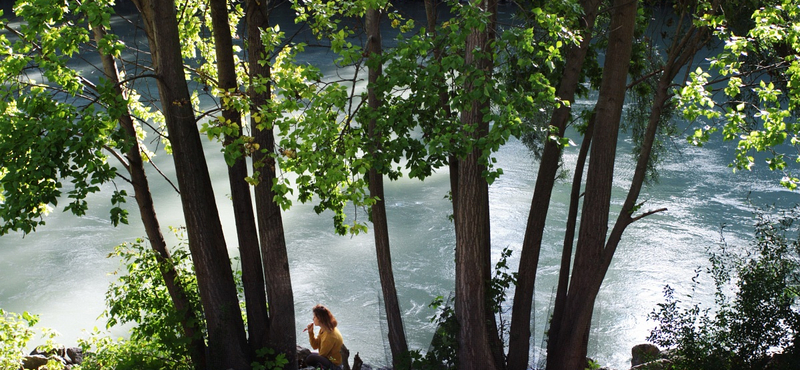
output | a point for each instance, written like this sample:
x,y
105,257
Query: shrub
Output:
x,y
140,297
756,313
16,332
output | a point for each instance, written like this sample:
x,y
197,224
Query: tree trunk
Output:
x,y
397,336
147,211
569,232
568,351
281,324
227,345
249,252
477,337
520,332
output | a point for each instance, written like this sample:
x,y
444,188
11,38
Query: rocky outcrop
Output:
x,y
644,353
66,357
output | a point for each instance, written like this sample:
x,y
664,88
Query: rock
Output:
x,y
60,352
302,354
660,364
75,355
34,361
644,353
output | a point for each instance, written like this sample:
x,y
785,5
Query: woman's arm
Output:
x,y
315,342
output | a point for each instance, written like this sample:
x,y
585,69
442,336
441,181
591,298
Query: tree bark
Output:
x,y
147,211
281,324
569,349
226,338
520,331
477,337
397,336
249,252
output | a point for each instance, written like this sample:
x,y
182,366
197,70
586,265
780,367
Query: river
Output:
x,y
61,271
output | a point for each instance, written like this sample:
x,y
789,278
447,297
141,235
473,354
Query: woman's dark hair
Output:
x,y
325,317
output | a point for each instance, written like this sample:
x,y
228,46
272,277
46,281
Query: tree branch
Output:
x,y
637,218
161,173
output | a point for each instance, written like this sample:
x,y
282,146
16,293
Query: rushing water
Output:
x,y
61,271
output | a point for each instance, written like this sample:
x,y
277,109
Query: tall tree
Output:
x,y
226,337
397,336
520,332
246,231
688,39
281,334
477,339
567,348
144,199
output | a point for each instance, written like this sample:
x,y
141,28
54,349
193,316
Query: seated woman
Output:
x,y
328,343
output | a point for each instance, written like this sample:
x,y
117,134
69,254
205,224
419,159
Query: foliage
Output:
x,y
16,332
269,361
497,291
761,316
592,365
321,122
758,76
415,79
140,296
514,71
102,352
56,126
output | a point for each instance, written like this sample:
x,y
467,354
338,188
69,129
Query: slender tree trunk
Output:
x,y
249,252
681,52
477,337
570,348
227,345
520,332
397,336
281,324
147,211
569,233
444,99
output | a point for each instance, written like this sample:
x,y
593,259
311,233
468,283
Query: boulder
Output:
x,y
644,353
34,361
660,364
302,354
75,355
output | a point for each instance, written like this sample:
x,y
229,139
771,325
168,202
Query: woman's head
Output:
x,y
325,317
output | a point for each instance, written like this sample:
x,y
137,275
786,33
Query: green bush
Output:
x,y
756,313
140,297
103,353
16,332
